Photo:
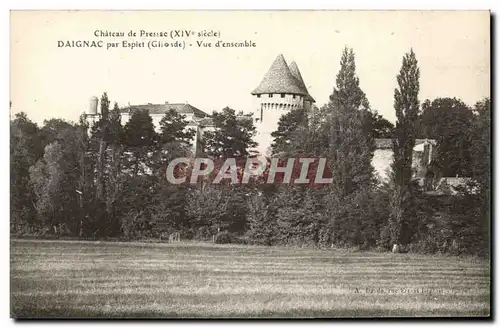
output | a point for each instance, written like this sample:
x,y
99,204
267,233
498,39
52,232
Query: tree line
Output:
x,y
108,180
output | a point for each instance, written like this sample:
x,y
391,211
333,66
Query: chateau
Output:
x,y
281,90
198,120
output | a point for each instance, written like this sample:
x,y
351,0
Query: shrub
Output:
x,y
223,237
242,240
203,233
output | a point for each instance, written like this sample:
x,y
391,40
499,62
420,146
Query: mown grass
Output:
x,y
111,279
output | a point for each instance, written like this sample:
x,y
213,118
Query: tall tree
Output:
x,y
114,164
348,125
406,105
171,201
100,131
86,187
342,132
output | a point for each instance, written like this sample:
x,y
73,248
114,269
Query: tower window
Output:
x,y
258,96
270,95
293,96
282,95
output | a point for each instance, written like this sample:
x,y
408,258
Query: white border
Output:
x,y
187,4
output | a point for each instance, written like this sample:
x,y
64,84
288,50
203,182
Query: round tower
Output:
x,y
281,90
93,105
91,114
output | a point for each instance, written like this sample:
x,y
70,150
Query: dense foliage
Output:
x,y
108,180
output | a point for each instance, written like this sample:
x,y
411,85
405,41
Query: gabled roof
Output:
x,y
163,108
294,69
279,79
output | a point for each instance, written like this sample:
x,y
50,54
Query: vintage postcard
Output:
x,y
250,164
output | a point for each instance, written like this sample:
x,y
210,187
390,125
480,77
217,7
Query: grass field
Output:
x,y
107,279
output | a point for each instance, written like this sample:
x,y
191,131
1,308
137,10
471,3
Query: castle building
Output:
x,y
281,90
198,120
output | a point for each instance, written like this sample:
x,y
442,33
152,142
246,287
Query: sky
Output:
x,y
47,81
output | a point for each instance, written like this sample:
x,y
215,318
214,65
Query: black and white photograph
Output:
x,y
250,164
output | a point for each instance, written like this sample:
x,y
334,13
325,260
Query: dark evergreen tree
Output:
x,y
406,104
348,126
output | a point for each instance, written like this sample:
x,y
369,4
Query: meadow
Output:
x,y
197,280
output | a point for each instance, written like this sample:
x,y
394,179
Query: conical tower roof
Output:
x,y
279,79
294,69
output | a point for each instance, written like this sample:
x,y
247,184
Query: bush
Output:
x,y
223,237
203,233
242,240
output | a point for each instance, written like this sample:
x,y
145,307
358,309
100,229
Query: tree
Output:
x,y
447,120
225,206
232,137
406,105
481,144
55,179
287,126
173,127
25,150
52,129
114,165
481,168
140,140
174,138
342,132
381,127
262,219
85,187
299,215
348,126
170,209
103,124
